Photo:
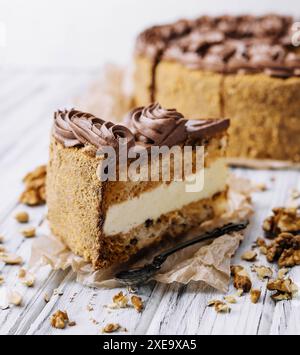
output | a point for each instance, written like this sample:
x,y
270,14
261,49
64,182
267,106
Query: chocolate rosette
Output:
x,y
74,128
154,125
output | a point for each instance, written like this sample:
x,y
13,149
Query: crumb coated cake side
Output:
x,y
107,222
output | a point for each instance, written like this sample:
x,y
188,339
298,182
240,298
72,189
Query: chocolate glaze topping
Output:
x,y
144,126
226,44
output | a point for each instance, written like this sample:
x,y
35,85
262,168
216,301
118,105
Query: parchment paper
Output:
x,y
208,263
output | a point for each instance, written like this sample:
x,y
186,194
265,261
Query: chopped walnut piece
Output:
x,y
241,278
285,289
285,249
230,299
14,298
137,303
46,298
26,277
255,295
22,217
34,193
111,328
261,187
220,307
283,220
59,320
249,255
263,272
282,273
120,300
10,259
29,232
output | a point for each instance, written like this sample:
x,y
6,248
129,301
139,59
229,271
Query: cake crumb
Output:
x,y
10,259
137,303
22,217
249,255
255,295
241,278
29,232
59,320
27,278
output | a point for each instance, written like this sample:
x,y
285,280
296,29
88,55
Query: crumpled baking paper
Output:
x,y
207,262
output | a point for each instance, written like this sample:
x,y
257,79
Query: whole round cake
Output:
x,y
245,68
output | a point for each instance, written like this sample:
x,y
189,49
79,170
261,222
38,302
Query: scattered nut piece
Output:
x,y
120,300
11,259
137,303
59,320
283,220
22,217
46,298
230,299
261,187
2,249
285,250
241,278
220,307
295,194
282,273
111,328
58,292
72,324
255,295
240,292
263,272
1,279
15,298
28,232
26,277
285,289
35,182
250,255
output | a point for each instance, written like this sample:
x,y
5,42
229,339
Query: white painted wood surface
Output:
x,y
27,101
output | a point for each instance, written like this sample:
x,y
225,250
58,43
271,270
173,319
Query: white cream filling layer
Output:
x,y
124,216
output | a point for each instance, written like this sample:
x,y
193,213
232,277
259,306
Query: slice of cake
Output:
x,y
108,221
243,67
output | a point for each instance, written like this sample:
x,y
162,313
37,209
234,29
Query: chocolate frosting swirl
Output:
x,y
226,44
75,128
154,125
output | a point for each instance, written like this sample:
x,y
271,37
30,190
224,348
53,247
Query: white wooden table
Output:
x,y
27,101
